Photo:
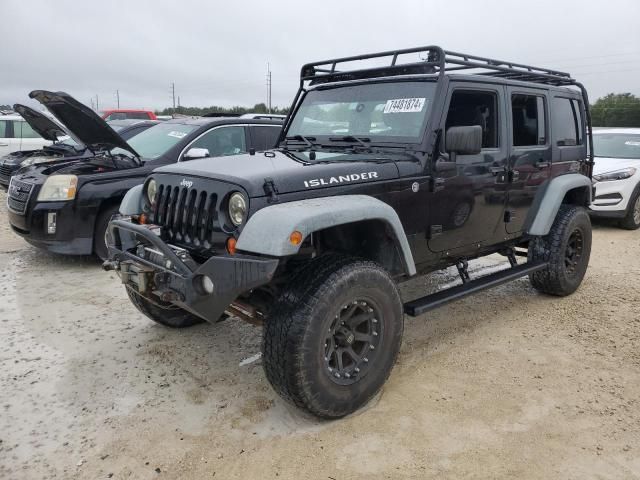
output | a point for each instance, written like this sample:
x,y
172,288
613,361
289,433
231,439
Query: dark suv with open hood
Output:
x,y
420,160
64,142
65,205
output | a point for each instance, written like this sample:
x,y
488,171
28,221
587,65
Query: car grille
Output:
x,y
188,216
5,173
18,196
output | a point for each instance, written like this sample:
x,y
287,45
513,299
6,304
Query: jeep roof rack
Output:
x,y
435,61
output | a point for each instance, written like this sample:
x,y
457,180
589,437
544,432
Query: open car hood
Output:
x,y
43,125
81,121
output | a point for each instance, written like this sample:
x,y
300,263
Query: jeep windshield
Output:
x,y
157,140
359,115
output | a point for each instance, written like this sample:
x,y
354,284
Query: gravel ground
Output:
x,y
508,383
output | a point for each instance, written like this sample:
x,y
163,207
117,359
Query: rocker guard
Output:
x,y
176,278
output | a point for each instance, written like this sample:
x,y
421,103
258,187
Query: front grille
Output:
x,y
18,195
188,216
5,170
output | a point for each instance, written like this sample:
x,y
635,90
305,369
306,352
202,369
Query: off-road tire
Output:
x,y
570,234
295,340
164,314
631,220
102,222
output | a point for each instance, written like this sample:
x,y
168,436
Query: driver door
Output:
x,y
468,205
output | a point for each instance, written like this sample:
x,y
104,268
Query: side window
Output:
x,y
222,141
264,138
27,131
529,120
3,128
468,107
565,122
137,115
577,109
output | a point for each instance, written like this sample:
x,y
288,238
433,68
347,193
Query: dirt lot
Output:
x,y
507,384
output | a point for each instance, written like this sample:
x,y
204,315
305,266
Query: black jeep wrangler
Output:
x,y
381,173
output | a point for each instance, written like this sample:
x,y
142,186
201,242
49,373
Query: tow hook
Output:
x,y
109,265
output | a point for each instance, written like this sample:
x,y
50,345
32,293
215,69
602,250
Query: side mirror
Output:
x,y
464,140
195,153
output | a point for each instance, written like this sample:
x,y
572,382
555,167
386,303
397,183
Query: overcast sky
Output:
x,y
216,52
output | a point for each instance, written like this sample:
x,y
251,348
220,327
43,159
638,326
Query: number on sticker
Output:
x,y
405,105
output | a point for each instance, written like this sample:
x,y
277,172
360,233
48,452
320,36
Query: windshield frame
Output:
x,y
629,136
376,141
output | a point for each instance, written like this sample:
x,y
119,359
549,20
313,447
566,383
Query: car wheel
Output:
x,y
566,249
102,222
631,221
333,336
163,313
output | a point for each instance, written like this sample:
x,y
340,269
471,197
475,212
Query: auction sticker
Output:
x,y
405,105
177,134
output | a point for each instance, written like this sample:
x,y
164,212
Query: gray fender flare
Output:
x,y
132,202
547,203
267,231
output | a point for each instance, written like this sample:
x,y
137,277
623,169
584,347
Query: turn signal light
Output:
x,y
295,238
231,245
142,219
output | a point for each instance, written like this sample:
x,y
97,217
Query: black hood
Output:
x,y
291,171
80,120
46,128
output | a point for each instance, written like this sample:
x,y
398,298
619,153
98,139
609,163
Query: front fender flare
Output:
x,y
267,231
132,202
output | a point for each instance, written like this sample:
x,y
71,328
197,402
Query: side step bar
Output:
x,y
424,304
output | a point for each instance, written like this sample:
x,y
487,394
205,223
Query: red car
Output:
x,y
126,114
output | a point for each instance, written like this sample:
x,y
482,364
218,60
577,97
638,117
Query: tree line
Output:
x,y
199,111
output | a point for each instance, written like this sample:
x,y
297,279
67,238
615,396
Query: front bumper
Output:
x,y
73,232
162,273
612,197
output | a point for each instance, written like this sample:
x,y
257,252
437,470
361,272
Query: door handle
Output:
x,y
541,164
4,144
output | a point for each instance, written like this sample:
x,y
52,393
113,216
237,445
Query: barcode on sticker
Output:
x,y
405,105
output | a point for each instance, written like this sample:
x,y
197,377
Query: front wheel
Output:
x,y
566,249
102,222
334,335
163,313
631,220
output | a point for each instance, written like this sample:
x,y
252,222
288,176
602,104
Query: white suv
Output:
x,y
617,175
16,134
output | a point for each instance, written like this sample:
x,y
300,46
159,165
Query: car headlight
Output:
x,y
58,187
152,189
616,175
237,208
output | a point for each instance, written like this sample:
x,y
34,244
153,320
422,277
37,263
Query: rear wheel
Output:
x,y
334,335
566,248
163,313
631,221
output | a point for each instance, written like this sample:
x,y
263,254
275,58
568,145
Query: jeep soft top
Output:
x,y
418,160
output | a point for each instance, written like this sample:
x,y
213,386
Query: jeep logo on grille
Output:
x,y
186,183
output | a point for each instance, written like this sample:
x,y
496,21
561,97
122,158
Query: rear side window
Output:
x,y
264,138
565,122
528,113
137,115
24,130
577,108
3,128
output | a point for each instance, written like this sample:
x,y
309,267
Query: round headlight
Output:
x,y
151,190
237,208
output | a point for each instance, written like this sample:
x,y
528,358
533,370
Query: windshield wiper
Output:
x,y
362,141
301,138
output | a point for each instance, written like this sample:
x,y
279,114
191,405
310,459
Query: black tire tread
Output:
x,y
171,317
549,248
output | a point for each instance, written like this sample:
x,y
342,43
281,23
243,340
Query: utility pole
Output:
x,y
178,102
92,104
97,103
269,87
173,94
118,97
